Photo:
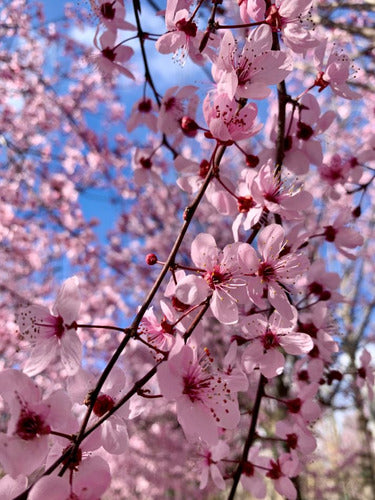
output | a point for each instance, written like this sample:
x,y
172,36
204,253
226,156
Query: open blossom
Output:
x,y
143,113
226,121
365,373
111,14
25,445
273,194
290,18
113,432
335,72
221,278
111,57
204,401
267,339
177,103
211,456
273,273
87,481
53,332
341,235
248,74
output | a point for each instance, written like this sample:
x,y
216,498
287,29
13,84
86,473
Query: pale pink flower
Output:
x,y
203,400
335,72
303,409
111,57
143,113
297,438
252,477
266,340
111,14
52,333
248,74
177,103
342,236
274,273
193,175
281,470
221,278
323,284
290,18
11,488
88,481
226,121
114,435
365,373
211,456
271,192
25,446
160,333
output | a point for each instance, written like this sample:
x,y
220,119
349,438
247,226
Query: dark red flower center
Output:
x,y
294,405
275,472
266,271
270,340
145,106
107,10
109,54
330,233
204,167
188,27
245,203
216,277
304,131
30,425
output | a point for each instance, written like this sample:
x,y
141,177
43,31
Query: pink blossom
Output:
x,y
113,432
281,470
211,456
342,236
143,113
111,14
273,270
25,446
176,103
336,72
159,332
365,373
252,478
272,193
204,401
52,333
226,121
88,481
248,74
111,57
290,17
297,437
267,338
221,278
323,284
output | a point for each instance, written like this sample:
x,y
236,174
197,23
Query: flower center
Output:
x,y
145,106
109,54
245,203
292,440
30,425
274,19
188,27
216,277
266,271
275,472
270,340
107,10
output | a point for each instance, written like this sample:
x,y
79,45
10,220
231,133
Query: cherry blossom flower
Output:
x,y
160,332
336,72
114,434
52,333
25,446
342,236
222,280
173,108
323,284
252,477
248,74
281,470
111,57
274,273
143,113
267,337
211,456
297,438
226,121
273,194
365,373
89,480
290,17
203,400
111,14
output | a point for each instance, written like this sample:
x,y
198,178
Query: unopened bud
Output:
x,y
252,161
151,259
189,126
